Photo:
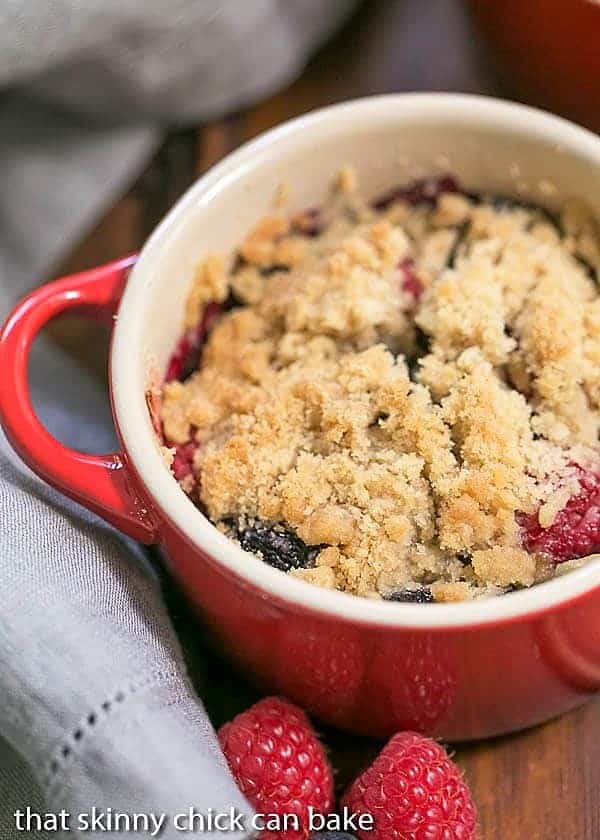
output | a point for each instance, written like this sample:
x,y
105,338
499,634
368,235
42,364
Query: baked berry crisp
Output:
x,y
398,399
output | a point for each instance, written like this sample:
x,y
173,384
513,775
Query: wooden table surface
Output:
x,y
543,784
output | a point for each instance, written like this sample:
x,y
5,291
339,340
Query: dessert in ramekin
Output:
x,y
398,398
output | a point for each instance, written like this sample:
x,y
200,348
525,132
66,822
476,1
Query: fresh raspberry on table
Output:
x,y
413,792
183,460
278,762
575,531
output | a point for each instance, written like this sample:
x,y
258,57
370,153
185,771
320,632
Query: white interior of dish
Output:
x,y
389,140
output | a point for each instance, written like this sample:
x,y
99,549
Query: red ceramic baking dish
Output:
x,y
456,671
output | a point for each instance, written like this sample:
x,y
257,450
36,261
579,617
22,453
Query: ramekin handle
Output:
x,y
102,483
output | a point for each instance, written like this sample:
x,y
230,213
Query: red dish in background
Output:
x,y
549,51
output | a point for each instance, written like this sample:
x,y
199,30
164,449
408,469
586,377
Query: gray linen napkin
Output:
x,y
96,708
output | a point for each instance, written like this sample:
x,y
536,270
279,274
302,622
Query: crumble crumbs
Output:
x,y
395,386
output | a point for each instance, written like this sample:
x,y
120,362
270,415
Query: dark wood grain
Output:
x,y
543,784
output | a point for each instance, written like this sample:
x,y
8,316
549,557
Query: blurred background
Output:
x,y
542,52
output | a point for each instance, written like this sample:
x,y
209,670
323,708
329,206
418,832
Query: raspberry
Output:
x,y
183,460
413,792
410,280
278,763
422,191
183,467
575,531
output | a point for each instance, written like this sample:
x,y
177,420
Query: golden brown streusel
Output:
x,y
396,386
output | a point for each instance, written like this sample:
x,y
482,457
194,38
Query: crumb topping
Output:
x,y
395,386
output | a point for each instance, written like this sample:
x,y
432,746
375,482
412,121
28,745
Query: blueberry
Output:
x,y
279,548
381,417
185,359
419,595
192,363
588,268
232,302
332,835
461,235
310,222
422,347
423,342
274,268
507,202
